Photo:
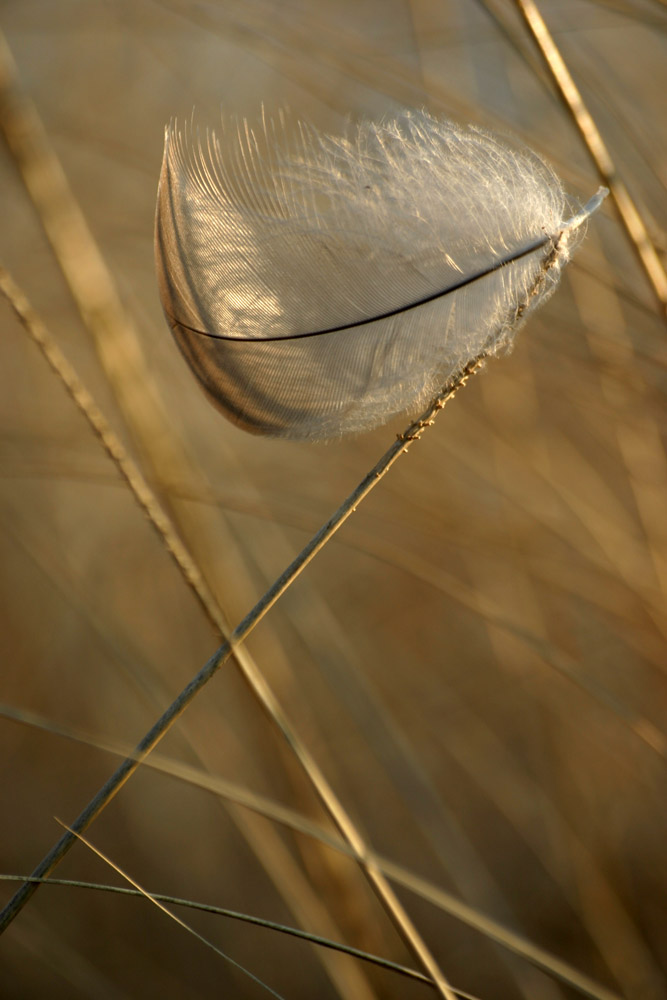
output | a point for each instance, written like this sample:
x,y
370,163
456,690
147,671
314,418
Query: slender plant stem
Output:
x,y
262,690
538,957
246,918
630,217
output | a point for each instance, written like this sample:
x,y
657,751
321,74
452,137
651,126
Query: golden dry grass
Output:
x,y
477,661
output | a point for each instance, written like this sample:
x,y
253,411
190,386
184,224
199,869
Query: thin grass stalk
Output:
x,y
113,785
140,488
246,918
627,209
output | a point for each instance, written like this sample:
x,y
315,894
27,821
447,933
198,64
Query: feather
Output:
x,y
319,285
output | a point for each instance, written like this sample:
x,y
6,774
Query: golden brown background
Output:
x,y
477,661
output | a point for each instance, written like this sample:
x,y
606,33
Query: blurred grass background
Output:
x,y
477,660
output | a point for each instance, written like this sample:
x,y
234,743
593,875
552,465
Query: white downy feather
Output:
x,y
318,286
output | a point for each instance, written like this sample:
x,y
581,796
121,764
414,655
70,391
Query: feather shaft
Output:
x,y
320,287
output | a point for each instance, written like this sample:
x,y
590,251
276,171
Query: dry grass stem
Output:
x,y
334,807
38,332
627,209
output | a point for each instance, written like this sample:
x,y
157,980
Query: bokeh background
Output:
x,y
477,661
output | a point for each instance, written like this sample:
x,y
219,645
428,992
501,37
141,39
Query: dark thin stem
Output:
x,y
422,888
316,939
254,677
113,785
